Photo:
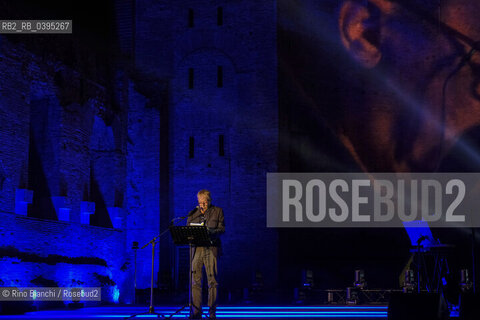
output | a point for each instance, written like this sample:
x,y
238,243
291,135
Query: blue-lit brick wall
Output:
x,y
125,147
38,252
14,128
143,182
61,140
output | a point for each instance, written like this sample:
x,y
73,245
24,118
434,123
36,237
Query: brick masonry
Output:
x,y
58,142
243,110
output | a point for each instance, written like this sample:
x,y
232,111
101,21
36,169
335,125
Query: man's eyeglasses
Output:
x,y
473,45
427,16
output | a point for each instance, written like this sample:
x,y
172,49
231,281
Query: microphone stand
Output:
x,y
419,262
474,262
151,309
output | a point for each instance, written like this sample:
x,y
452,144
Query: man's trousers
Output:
x,y
204,257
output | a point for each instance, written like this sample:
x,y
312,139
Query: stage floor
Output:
x,y
223,312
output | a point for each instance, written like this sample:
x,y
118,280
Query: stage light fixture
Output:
x,y
352,295
409,285
307,277
360,281
465,283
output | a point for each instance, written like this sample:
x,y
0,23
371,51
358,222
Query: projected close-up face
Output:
x,y
423,89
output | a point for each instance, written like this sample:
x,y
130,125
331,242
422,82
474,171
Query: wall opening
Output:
x,y
191,147
190,78
190,18
219,16
219,76
221,145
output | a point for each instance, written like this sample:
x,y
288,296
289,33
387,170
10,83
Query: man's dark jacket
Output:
x,y
215,223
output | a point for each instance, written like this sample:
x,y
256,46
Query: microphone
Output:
x,y
193,211
177,218
184,217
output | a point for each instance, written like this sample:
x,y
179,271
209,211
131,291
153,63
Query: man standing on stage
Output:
x,y
212,217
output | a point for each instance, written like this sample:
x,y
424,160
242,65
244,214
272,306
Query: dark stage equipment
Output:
x,y
307,278
469,306
474,262
409,285
360,281
465,283
430,256
417,306
352,295
254,293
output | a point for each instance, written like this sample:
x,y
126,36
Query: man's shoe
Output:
x,y
212,313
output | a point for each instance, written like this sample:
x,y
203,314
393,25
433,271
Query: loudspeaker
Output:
x,y
417,306
469,306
